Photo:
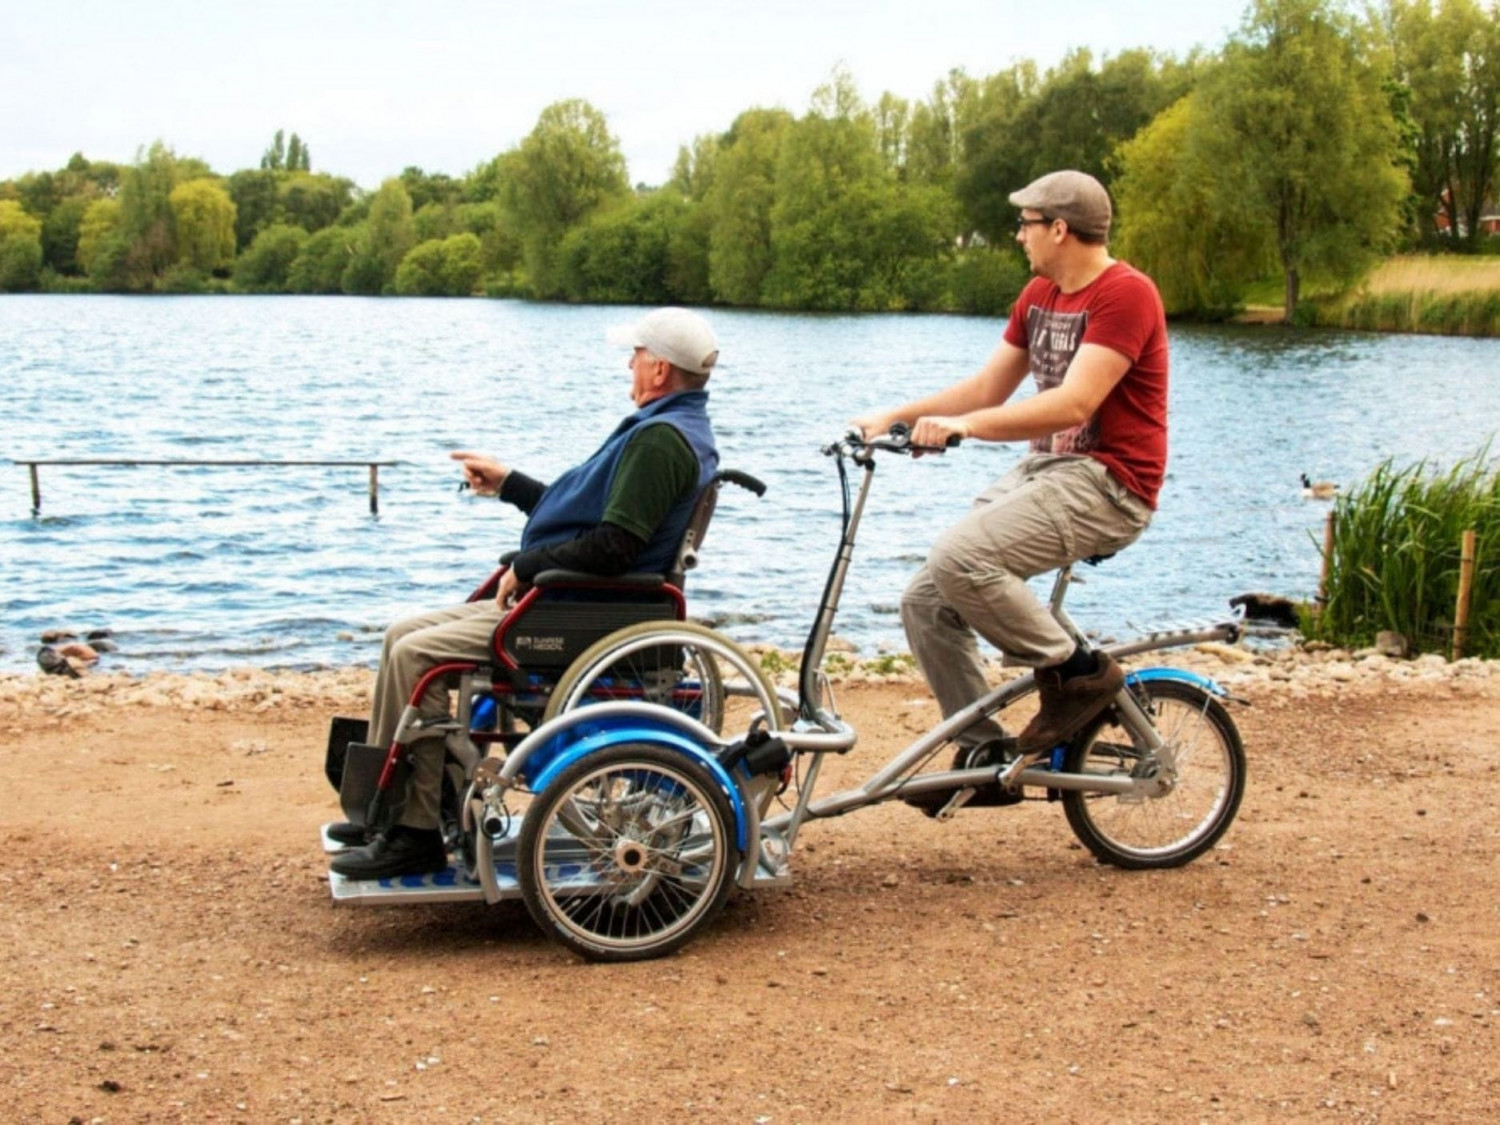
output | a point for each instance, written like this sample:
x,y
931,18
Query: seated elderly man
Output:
x,y
624,509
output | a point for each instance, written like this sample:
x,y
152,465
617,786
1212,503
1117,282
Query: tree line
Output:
x,y
1314,141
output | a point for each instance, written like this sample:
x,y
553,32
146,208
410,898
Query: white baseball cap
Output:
x,y
679,336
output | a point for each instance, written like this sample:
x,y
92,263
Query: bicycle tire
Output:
x,y
1180,824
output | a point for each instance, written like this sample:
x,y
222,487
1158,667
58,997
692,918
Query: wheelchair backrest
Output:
x,y
569,611
548,632
703,514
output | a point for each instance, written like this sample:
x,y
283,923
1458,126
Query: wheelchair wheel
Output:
x,y
627,853
678,664
1190,815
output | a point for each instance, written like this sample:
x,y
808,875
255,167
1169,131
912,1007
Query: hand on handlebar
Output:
x,y
935,433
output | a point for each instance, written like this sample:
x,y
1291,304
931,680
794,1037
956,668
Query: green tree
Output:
x,y
312,200
266,264
1316,146
298,155
892,118
325,256
254,192
274,158
1180,213
427,190
693,172
448,267
739,204
20,248
568,168
830,186
60,235
993,164
1076,116
146,220
636,253
1448,59
100,222
385,239
500,248
934,143
203,217
436,221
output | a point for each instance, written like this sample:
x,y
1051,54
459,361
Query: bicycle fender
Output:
x,y
1181,675
595,735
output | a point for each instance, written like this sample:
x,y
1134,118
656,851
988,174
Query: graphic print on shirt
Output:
x,y
1052,341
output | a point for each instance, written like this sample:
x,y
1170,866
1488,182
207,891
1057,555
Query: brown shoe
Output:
x,y
1068,704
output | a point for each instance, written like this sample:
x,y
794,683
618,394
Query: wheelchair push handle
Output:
x,y
744,480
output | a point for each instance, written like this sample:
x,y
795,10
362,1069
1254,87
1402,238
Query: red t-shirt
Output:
x,y
1120,310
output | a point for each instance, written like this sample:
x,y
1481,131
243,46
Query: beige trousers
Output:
x,y
1047,511
413,647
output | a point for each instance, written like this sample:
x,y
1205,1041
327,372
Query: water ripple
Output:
x,y
210,567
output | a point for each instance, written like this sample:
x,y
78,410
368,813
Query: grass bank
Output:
x,y
1445,295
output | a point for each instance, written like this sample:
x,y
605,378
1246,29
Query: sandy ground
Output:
x,y
173,955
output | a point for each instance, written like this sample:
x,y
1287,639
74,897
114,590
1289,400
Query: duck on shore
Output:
x,y
1318,489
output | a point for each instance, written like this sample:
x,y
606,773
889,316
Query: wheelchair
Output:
x,y
571,641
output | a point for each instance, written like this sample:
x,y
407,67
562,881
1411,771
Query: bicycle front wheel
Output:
x,y
1198,794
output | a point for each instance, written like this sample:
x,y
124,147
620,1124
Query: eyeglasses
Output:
x,y
1023,222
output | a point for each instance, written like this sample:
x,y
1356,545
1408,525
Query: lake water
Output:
x,y
208,568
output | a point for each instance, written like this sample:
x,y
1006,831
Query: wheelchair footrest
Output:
x,y
449,885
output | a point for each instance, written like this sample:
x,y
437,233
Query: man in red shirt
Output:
x,y
1091,332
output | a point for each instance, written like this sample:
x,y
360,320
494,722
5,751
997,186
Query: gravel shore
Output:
x,y
1289,673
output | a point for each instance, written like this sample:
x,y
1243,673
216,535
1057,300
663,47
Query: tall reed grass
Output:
x,y
1440,294
1395,559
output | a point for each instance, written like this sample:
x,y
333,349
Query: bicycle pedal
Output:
x,y
959,799
940,804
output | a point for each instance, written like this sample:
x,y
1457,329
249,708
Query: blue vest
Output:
x,y
574,502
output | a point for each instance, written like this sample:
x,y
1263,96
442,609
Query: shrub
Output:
x,y
266,264
1395,561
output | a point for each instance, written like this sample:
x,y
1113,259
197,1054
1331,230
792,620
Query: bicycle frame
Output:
x,y
819,730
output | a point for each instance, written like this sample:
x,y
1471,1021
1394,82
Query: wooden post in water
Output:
x,y
36,491
1465,590
1327,562
374,489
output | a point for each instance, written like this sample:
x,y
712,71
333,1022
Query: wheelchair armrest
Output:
x,y
618,581
509,557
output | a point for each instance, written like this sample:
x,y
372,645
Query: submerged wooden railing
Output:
x,y
131,462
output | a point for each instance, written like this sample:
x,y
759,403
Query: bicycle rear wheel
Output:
x,y
1197,800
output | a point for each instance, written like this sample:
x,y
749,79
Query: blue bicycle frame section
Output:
x,y
577,734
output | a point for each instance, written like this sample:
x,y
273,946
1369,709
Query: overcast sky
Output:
x,y
375,85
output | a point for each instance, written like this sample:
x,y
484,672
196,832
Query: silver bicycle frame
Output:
x,y
819,730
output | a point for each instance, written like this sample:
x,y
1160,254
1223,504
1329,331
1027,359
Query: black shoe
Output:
x,y
349,834
401,851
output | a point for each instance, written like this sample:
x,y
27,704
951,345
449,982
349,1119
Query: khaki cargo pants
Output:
x,y
1047,511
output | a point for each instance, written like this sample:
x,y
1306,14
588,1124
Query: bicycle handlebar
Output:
x,y
897,441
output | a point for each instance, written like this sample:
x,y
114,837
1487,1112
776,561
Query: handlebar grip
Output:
x,y
901,431
744,480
